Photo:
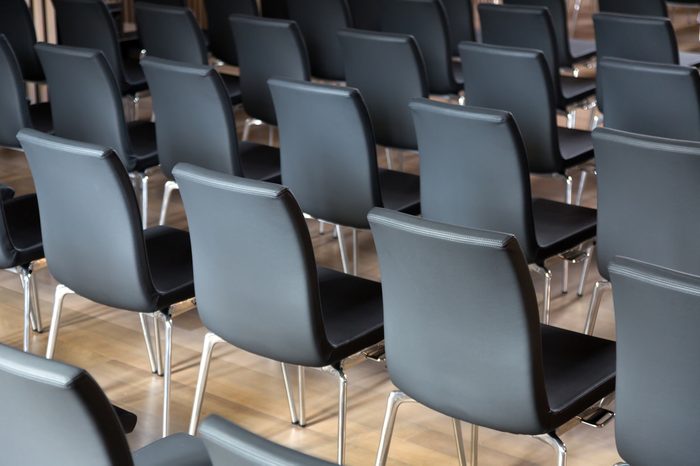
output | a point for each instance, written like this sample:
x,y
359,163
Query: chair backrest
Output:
x,y
328,155
642,38
274,9
267,48
388,70
490,81
14,111
17,25
365,14
650,98
481,302
426,21
194,119
656,317
460,16
69,417
254,268
85,99
221,40
179,3
634,7
473,170
171,33
647,199
319,22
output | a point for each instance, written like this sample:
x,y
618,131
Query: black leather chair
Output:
x,y
656,314
173,33
634,7
427,22
195,124
329,158
474,173
481,300
319,22
650,213
460,17
221,40
365,14
272,299
389,71
17,24
95,245
86,106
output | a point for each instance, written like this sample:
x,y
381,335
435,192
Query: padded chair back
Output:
x,y
460,17
654,304
194,119
634,7
17,24
647,200
426,21
473,170
254,267
328,155
221,40
171,33
267,48
365,14
490,81
69,417
86,103
319,22
641,38
649,98
388,70
464,270
90,221
14,111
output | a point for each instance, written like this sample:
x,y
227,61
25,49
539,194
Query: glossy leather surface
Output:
x,y
171,33
460,16
175,450
17,25
642,38
221,40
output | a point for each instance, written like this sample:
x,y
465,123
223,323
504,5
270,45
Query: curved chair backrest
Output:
x,y
426,21
171,33
642,38
464,269
365,14
388,70
460,16
319,22
651,213
490,81
17,25
649,98
654,304
90,221
68,414
473,170
254,267
194,119
634,7
267,48
274,9
328,155
14,111
86,103
221,40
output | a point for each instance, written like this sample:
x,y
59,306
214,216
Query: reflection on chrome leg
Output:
x,y
210,340
598,290
59,295
396,399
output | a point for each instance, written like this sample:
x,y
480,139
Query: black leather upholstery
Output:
x,y
481,302
20,235
174,450
634,7
461,22
17,25
221,40
642,38
365,14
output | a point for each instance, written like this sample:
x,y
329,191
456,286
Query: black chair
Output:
x,y
365,14
650,213
195,124
274,9
481,300
272,300
659,305
173,33
460,17
319,22
474,173
173,3
388,70
634,7
329,158
221,40
86,106
426,21
95,246
17,24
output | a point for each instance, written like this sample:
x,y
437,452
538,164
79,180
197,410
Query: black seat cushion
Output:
x,y
170,262
560,227
259,161
24,228
575,146
142,135
40,115
233,87
581,49
400,191
174,450
574,90
133,74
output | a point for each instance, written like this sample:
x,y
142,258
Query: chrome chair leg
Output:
x,y
574,15
581,186
270,135
342,412
354,251
569,186
343,252
35,315
210,340
301,380
149,343
321,227
547,274
474,459
246,127
170,186
553,440
598,290
157,343
584,270
290,395
168,324
395,399
459,441
387,154
59,295
571,119
24,274
144,200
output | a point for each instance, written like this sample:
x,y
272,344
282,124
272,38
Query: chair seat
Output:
x,y
260,162
457,71
170,261
133,74
40,115
581,49
560,227
142,135
575,146
23,226
579,370
689,59
233,87
352,312
174,450
574,90
400,191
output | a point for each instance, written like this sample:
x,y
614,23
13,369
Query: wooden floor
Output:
x,y
248,390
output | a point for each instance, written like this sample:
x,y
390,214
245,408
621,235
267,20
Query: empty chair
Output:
x,y
195,124
258,286
659,305
654,225
460,17
221,40
17,25
95,245
86,106
634,7
329,158
474,173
